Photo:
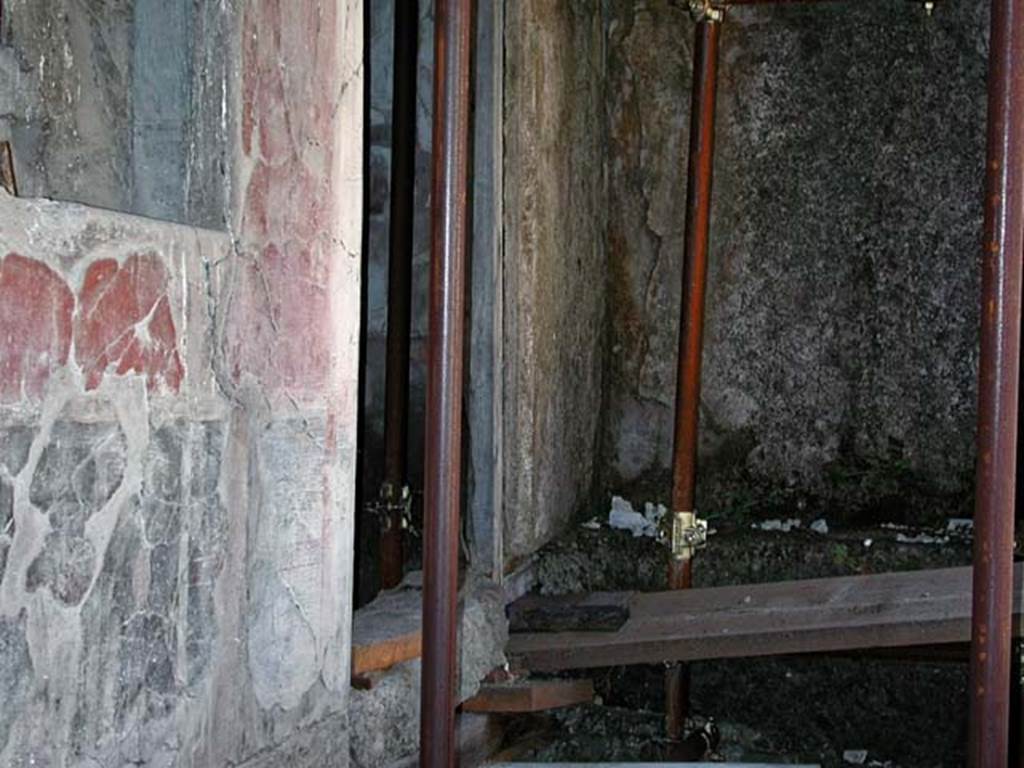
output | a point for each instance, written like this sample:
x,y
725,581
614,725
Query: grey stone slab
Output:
x,y
555,274
15,443
81,463
15,671
119,109
162,80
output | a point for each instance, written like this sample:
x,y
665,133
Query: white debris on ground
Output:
x,y
623,517
855,756
785,526
960,526
957,528
921,538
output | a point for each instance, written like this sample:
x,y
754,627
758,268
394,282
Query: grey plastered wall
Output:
x,y
554,265
114,106
71,72
841,344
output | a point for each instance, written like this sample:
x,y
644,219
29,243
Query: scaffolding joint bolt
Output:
x,y
689,534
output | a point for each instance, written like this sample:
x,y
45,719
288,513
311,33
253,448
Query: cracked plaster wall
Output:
x,y
177,438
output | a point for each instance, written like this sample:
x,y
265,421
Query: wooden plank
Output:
x,y
591,612
530,696
889,610
369,656
386,632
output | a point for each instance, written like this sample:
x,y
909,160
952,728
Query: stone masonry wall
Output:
x,y
177,439
841,340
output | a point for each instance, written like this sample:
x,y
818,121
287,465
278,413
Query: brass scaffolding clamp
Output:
x,y
393,504
703,10
689,533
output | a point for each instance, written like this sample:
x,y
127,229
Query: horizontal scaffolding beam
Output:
x,y
887,610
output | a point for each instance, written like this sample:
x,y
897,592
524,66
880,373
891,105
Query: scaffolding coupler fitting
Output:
x,y
703,10
395,498
689,533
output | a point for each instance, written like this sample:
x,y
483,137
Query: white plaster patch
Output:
x,y
286,581
282,646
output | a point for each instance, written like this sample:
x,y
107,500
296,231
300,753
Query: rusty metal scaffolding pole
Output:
x,y
691,333
443,451
394,493
997,390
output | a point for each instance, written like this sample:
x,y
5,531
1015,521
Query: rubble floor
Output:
x,y
809,709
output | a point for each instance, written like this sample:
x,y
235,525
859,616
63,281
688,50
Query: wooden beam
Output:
x,y
889,610
369,655
530,696
386,632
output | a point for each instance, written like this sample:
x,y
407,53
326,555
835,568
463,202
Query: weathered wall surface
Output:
x,y
554,264
115,534
114,105
177,440
843,297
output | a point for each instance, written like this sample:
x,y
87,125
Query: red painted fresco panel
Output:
x,y
279,330
124,323
35,326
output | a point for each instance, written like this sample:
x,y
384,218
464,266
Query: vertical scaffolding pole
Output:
x,y
443,453
997,391
394,493
691,334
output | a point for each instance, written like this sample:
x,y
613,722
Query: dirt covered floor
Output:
x,y
832,710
